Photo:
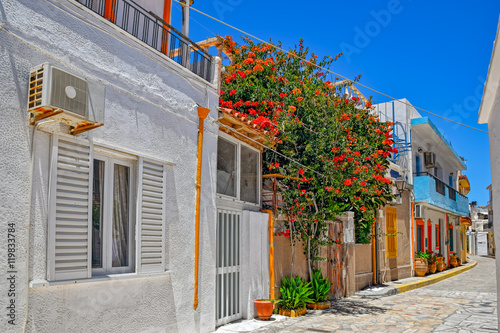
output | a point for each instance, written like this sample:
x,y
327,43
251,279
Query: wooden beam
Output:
x,y
205,44
212,41
39,116
81,129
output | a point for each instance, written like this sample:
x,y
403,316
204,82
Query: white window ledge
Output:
x,y
98,278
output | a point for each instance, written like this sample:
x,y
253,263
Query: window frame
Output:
x,y
239,144
452,247
429,235
110,160
70,177
438,234
421,230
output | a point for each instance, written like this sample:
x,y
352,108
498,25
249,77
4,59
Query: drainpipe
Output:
x,y
202,114
374,255
271,252
412,237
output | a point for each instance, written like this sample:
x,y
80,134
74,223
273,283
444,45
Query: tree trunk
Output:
x,y
309,258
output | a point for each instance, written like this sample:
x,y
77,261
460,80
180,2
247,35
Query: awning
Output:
x,y
464,220
463,184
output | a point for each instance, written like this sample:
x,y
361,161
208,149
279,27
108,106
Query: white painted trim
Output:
x,y
134,153
491,87
51,227
109,163
237,199
138,224
89,222
100,278
164,221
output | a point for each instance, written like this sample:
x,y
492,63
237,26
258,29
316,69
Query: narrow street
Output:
x,y
463,303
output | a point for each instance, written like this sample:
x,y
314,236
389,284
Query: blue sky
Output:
x,y
434,54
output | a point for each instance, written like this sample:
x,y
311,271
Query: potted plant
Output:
x,y
453,260
421,263
264,308
441,266
321,292
295,295
432,263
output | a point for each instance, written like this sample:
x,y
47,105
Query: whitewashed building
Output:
x,y
434,168
489,113
102,102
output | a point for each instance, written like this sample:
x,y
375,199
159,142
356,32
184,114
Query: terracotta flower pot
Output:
x,y
441,266
293,313
264,308
319,306
433,268
453,261
420,266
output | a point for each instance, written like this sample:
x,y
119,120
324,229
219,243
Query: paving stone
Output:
x,y
463,303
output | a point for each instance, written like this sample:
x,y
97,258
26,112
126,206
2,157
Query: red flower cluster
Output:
x,y
285,233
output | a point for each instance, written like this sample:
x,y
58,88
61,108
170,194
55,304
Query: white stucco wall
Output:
x,y
150,111
494,139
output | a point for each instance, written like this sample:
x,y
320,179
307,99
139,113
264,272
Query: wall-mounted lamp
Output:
x,y
400,186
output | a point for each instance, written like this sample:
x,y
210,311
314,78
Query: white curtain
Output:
x,y
120,255
97,213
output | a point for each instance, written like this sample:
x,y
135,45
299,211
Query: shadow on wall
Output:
x,y
285,254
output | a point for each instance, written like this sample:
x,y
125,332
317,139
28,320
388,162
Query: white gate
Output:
x,y
228,286
482,244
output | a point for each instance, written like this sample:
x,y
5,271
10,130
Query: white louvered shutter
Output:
x,y
70,213
151,216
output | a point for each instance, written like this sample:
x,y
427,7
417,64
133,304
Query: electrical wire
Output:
x,y
332,72
213,33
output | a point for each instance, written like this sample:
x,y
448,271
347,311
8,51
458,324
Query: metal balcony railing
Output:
x,y
440,186
152,30
452,193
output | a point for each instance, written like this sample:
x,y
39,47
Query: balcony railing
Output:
x,y
152,30
440,186
452,193
434,191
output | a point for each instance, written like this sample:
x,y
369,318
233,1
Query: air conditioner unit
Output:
x,y
65,97
419,212
429,159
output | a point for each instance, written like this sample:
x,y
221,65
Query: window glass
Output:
x,y
249,175
112,232
120,240
451,239
97,210
226,167
419,237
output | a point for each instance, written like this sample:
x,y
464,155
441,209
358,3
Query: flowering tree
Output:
x,y
333,147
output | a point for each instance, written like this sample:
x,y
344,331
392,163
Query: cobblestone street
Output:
x,y
463,303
